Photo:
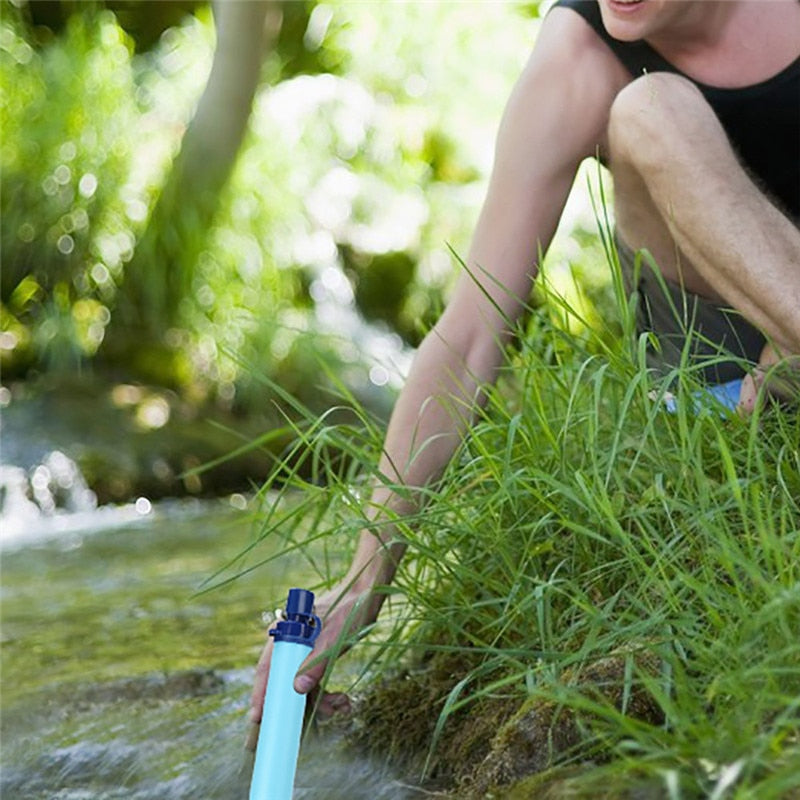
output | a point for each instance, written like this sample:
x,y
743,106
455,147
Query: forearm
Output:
x,y
550,124
438,403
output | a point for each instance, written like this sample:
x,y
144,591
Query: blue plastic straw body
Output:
x,y
281,726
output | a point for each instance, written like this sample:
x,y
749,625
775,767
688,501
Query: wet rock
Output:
x,y
83,762
154,688
126,441
74,769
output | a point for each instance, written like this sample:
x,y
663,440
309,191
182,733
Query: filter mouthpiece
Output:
x,y
300,624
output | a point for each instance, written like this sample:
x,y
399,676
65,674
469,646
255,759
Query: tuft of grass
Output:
x,y
582,522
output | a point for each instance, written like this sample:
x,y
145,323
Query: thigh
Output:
x,y
641,227
708,336
682,193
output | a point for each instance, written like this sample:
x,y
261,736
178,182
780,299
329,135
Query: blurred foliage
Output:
x,y
364,162
143,20
65,227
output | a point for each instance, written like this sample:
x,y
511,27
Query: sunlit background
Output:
x,y
361,167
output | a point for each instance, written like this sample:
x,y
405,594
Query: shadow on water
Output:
x,y
119,681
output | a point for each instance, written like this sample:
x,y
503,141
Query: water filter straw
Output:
x,y
282,717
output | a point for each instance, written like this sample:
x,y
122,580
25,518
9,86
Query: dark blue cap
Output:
x,y
300,624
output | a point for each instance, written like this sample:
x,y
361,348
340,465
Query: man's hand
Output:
x,y
775,374
345,611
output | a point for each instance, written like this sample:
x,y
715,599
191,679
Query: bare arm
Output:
x,y
555,117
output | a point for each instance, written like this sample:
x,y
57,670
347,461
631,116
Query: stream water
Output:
x,y
119,680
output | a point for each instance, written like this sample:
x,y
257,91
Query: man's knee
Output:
x,y
650,112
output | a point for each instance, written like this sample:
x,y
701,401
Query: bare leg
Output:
x,y
680,192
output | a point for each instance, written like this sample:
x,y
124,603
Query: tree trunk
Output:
x,y
161,272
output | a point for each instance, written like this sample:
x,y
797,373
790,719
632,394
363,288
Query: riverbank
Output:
x,y
503,745
132,441
600,598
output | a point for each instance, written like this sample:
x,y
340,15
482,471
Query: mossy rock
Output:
x,y
544,731
498,746
573,783
151,688
135,440
396,720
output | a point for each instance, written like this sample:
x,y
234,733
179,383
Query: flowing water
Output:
x,y
120,680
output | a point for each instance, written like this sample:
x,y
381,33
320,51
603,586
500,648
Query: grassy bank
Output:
x,y
600,594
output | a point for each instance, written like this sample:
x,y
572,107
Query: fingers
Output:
x,y
310,673
777,375
778,384
748,394
260,682
308,676
329,646
340,616
333,704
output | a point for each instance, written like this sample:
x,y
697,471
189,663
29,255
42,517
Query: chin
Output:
x,y
627,22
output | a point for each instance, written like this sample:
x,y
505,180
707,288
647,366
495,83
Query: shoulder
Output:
x,y
572,77
568,43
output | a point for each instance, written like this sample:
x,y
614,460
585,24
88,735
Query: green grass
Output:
x,y
578,521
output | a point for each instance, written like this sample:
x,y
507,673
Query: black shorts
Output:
x,y
718,340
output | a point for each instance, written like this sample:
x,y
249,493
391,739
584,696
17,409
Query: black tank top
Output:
x,y
762,121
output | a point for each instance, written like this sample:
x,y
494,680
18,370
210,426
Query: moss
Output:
x,y
571,782
397,716
396,720
544,731
470,735
529,743
497,746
